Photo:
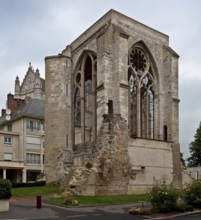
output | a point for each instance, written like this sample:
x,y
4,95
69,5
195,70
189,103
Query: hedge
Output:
x,y
38,183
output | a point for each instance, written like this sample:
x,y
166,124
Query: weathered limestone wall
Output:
x,y
109,170
111,39
112,159
177,174
169,104
151,162
57,114
104,70
119,164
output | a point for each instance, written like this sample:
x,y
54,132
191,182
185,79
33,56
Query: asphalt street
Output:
x,y
27,210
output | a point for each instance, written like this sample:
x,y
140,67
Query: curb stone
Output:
x,y
179,215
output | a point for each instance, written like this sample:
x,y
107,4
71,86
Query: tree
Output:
x,y
195,149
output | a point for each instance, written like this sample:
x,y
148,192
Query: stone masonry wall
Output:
x,y
111,38
57,114
109,170
112,159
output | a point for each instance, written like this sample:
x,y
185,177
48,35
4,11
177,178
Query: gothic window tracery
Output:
x,y
77,108
141,86
84,99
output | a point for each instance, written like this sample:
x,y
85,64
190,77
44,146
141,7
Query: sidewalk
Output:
x,y
25,208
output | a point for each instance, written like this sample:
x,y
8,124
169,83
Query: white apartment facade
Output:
x,y
21,143
21,130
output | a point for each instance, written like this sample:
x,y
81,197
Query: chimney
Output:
x,y
11,103
3,112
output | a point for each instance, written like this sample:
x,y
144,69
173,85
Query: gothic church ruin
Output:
x,y
111,110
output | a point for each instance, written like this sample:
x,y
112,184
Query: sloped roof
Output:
x,y
33,109
2,119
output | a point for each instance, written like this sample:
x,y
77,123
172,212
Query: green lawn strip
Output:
x,y
82,200
102,200
35,190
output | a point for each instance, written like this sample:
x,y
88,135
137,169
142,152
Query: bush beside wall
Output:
x,y
5,189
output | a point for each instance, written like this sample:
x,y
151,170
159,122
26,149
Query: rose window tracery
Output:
x,y
138,60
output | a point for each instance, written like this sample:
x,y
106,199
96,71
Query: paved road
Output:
x,y
27,210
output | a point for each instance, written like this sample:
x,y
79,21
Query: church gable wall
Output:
x,y
109,42
32,85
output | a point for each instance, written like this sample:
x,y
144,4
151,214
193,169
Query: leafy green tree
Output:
x,y
195,149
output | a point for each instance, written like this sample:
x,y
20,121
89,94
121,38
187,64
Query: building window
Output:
x,y
33,143
165,132
8,140
84,96
33,125
141,85
33,159
8,156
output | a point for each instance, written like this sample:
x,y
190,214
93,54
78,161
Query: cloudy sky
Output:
x,y
33,29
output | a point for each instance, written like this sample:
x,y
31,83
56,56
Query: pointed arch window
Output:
x,y
141,85
85,99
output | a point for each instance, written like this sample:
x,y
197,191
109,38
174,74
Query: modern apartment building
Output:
x,y
21,130
21,143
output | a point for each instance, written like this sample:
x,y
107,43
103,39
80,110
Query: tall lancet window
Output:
x,y
85,99
141,87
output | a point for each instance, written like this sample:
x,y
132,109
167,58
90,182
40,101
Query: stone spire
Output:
x,y
17,86
37,73
37,86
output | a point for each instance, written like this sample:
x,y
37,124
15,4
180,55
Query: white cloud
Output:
x,y
190,71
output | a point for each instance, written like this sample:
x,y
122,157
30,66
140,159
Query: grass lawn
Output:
x,y
102,200
35,190
82,200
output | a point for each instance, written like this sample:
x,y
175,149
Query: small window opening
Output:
x,y
110,107
165,132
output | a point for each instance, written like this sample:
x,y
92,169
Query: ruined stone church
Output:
x,y
112,110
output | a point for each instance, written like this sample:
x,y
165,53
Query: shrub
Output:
x,y
5,189
38,183
192,194
183,208
163,198
88,165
